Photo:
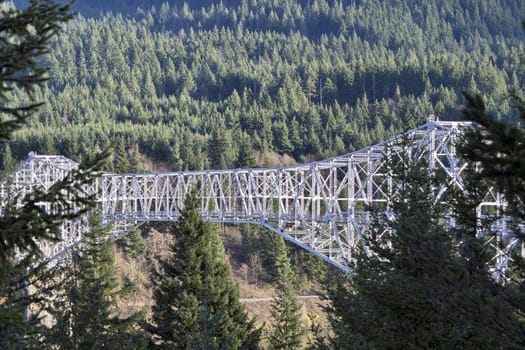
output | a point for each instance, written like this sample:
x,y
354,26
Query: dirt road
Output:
x,y
258,300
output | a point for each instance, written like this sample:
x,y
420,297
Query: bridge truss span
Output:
x,y
320,206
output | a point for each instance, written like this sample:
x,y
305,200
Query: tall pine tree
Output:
x,y
122,162
410,292
196,301
24,274
286,311
84,309
498,151
8,163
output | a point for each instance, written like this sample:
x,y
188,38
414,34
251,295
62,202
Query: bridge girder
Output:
x,y
320,206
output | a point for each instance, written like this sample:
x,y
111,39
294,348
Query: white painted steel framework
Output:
x,y
42,171
319,206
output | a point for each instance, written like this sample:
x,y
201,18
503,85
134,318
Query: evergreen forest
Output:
x,y
198,84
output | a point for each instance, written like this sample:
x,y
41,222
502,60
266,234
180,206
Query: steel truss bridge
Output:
x,y
320,206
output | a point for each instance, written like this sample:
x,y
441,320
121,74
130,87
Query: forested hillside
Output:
x,y
217,84
210,84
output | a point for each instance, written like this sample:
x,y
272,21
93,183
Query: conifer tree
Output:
x,y
497,150
414,283
25,36
246,155
8,161
133,243
84,310
219,148
196,301
122,161
135,161
285,310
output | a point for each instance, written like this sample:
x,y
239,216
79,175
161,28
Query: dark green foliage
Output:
x,y
21,231
84,308
121,161
246,155
135,161
25,36
263,244
20,329
24,223
286,311
134,244
219,148
431,286
499,149
8,163
181,81
315,18
417,285
196,301
262,247
269,70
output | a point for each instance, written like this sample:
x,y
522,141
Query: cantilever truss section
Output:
x,y
320,206
42,171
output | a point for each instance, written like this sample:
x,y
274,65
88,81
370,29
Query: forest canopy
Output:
x,y
309,79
